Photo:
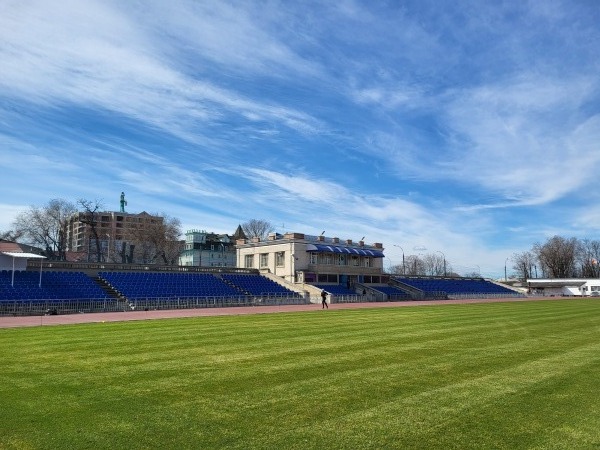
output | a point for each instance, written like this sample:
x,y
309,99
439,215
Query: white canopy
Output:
x,y
23,255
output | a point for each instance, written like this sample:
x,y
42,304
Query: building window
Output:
x,y
355,260
280,259
249,261
341,260
327,278
326,258
264,260
368,261
313,258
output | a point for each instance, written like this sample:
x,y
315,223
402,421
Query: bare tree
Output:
x,y
10,235
524,264
89,216
434,264
557,256
46,227
414,265
155,239
171,246
396,270
589,258
473,274
257,228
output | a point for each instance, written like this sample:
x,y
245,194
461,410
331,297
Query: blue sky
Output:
x,y
471,128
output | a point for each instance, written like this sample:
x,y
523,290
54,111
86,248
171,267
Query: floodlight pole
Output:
x,y
505,278
403,269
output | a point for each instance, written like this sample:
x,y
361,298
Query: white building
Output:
x,y
208,250
300,258
564,287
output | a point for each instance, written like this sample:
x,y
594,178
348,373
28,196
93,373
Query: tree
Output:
x,y
589,258
155,239
396,270
557,256
256,228
45,227
524,263
473,274
89,216
10,235
435,265
414,265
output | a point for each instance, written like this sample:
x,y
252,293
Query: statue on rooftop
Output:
x,y
123,202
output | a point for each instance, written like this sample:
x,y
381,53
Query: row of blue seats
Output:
x,y
136,285
48,285
455,286
142,285
256,284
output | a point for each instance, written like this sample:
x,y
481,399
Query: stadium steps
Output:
x,y
233,285
106,287
415,294
298,289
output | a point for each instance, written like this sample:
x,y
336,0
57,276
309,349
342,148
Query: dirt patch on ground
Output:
x,y
33,321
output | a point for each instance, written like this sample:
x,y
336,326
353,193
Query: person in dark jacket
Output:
x,y
324,299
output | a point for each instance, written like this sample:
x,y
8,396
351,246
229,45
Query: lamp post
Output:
x,y
403,270
478,270
108,248
505,278
443,256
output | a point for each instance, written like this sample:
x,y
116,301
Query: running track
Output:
x,y
36,321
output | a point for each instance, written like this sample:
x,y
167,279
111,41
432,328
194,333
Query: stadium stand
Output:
x,y
67,292
136,285
455,287
54,285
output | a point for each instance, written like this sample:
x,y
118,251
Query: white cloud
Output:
x,y
93,56
517,137
8,213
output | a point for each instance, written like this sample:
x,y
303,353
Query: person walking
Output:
x,y
324,300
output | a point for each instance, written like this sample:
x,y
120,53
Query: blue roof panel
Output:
x,y
345,250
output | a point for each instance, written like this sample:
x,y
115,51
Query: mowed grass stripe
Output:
x,y
501,375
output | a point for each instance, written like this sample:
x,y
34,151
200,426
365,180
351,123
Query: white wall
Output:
x,y
6,263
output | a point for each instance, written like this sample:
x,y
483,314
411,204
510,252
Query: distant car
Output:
x,y
594,294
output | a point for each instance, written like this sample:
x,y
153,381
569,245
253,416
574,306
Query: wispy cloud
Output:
x,y
66,54
517,137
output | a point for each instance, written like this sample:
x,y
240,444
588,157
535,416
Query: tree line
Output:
x,y
429,264
157,242
47,227
559,257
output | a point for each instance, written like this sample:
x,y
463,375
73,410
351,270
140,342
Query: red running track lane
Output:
x,y
33,321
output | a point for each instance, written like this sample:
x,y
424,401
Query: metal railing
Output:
x,y
20,307
36,307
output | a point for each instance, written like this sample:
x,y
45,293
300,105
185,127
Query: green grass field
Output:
x,y
498,375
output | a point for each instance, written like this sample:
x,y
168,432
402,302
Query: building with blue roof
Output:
x,y
302,258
